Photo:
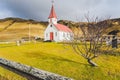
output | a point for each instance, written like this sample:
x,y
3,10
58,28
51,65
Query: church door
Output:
x,y
51,36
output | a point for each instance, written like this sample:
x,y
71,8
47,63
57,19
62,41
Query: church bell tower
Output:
x,y
52,19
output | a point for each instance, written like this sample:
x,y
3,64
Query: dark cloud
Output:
x,y
65,9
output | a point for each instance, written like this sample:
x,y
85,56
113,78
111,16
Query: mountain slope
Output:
x,y
114,25
15,28
12,29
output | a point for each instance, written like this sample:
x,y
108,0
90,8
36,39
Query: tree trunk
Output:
x,y
91,63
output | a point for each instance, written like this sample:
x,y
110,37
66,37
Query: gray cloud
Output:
x,y
65,9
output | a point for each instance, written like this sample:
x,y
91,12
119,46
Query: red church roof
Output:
x,y
61,27
52,13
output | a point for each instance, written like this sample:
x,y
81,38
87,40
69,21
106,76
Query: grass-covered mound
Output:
x,y
61,59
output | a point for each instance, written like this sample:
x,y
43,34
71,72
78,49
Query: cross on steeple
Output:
x,y
52,1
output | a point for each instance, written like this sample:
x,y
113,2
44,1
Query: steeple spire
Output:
x,y
52,13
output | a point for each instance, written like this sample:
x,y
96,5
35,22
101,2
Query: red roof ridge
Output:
x,y
52,13
61,27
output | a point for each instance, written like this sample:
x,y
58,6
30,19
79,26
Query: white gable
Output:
x,y
51,28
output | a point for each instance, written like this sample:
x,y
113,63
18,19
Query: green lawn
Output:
x,y
60,59
8,75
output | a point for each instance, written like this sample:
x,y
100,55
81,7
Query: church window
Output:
x,y
46,34
63,34
55,33
67,34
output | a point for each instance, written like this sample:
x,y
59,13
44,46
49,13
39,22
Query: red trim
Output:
x,y
51,36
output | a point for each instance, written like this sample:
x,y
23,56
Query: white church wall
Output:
x,y
60,36
51,29
64,36
56,34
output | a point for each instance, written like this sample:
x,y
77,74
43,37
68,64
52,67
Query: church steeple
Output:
x,y
52,13
52,17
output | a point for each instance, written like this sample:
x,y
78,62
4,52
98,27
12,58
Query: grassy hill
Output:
x,y
60,59
114,24
53,57
12,29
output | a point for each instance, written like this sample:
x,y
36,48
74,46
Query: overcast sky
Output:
x,y
65,9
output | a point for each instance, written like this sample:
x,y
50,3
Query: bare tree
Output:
x,y
89,38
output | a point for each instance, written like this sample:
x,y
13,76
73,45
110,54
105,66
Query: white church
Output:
x,y
56,32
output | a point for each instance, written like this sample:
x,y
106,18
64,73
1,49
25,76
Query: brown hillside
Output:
x,y
12,29
114,25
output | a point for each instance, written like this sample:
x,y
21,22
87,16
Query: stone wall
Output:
x,y
41,74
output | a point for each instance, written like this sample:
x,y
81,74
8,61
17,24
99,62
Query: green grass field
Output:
x,y
60,59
